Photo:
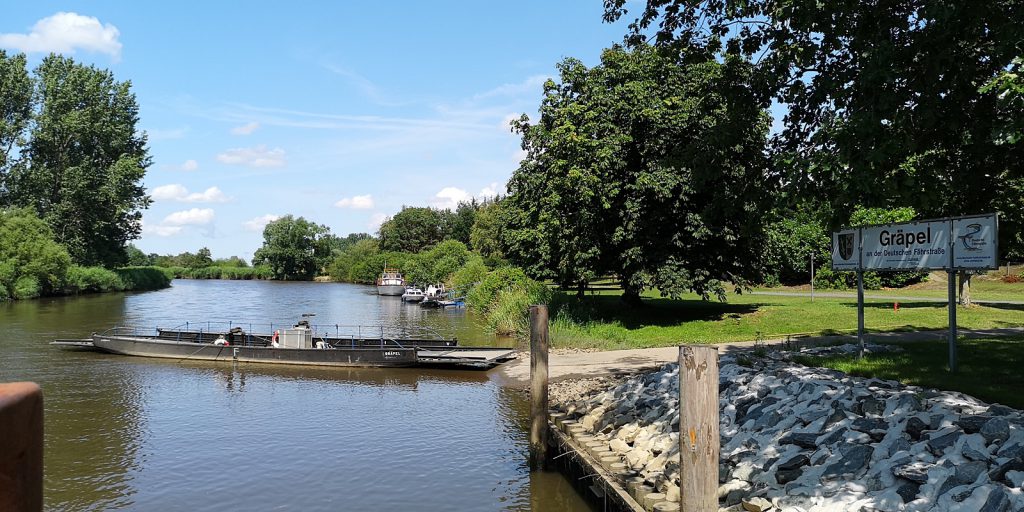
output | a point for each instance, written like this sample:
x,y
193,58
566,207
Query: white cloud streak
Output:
x,y
257,156
193,217
356,202
258,223
245,129
176,192
66,32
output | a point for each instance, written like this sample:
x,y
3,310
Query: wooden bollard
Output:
x,y
699,444
21,447
538,386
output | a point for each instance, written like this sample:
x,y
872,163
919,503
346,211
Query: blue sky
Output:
x,y
337,112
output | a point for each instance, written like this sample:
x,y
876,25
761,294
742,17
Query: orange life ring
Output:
x,y
274,338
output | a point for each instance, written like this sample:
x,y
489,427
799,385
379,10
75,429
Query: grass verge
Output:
x,y
602,321
989,368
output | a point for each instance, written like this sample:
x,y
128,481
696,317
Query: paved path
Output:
x,y
616,362
908,298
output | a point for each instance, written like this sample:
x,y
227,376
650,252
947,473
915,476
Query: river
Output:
x,y
150,434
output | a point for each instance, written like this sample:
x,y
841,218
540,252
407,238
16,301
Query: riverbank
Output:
x,y
89,280
811,439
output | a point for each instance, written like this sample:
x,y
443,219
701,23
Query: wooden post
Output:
x,y
538,386
21,447
699,444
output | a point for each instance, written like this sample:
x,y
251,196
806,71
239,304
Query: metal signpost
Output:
x,y
952,244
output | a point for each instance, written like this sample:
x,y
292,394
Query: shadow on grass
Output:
x,y
652,312
989,368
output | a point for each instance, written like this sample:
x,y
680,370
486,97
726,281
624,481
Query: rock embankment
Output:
x,y
809,439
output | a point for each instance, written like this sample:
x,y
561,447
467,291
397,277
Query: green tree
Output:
x,y
293,248
885,103
411,230
645,168
485,236
792,241
31,262
15,113
137,258
85,161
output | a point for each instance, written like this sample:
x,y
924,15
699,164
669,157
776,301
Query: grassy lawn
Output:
x,y
602,321
989,369
983,287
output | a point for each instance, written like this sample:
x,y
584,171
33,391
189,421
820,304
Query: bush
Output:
x,y
31,262
91,280
484,295
1013,278
27,287
144,278
469,275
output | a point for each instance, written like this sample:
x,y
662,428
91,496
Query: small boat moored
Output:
x,y
390,283
413,295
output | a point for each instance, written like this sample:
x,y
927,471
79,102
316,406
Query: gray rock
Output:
x,y
908,403
838,414
868,425
998,472
1001,410
995,429
947,484
767,420
972,424
794,462
907,490
833,437
804,440
757,411
1012,451
968,473
915,426
939,444
901,444
735,496
915,471
854,459
872,406
997,501
973,454
785,476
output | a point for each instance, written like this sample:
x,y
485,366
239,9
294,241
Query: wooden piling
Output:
x,y
538,386
21,447
699,443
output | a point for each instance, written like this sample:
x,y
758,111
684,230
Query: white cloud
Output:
x,y
356,202
176,192
449,197
189,165
530,85
245,129
65,32
167,134
160,230
376,220
193,217
258,156
258,223
490,191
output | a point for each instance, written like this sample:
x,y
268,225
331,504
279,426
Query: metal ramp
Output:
x,y
472,357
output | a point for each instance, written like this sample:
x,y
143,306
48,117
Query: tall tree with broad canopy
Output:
x,y
295,249
15,113
888,104
645,168
85,160
412,230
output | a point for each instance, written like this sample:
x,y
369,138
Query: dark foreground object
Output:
x,y
21,447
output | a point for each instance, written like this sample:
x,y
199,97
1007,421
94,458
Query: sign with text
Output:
x,y
910,246
975,242
963,242
846,250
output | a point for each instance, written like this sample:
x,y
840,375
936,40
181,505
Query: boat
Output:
x,y
412,295
433,296
390,283
296,345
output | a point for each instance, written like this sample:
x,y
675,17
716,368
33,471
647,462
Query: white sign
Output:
x,y
910,246
846,250
975,242
927,245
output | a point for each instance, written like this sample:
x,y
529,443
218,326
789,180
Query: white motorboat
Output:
x,y
413,295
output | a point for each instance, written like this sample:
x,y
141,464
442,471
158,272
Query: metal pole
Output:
x,y
812,274
952,304
860,312
539,386
699,443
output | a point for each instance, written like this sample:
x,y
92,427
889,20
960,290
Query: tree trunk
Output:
x,y
965,289
631,296
581,289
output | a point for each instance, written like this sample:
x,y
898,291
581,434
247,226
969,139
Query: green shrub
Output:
x,y
469,275
91,280
144,278
27,287
485,294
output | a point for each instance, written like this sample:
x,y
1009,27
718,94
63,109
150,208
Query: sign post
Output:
x,y
951,244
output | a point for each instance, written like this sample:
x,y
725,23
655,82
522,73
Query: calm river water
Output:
x,y
149,434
